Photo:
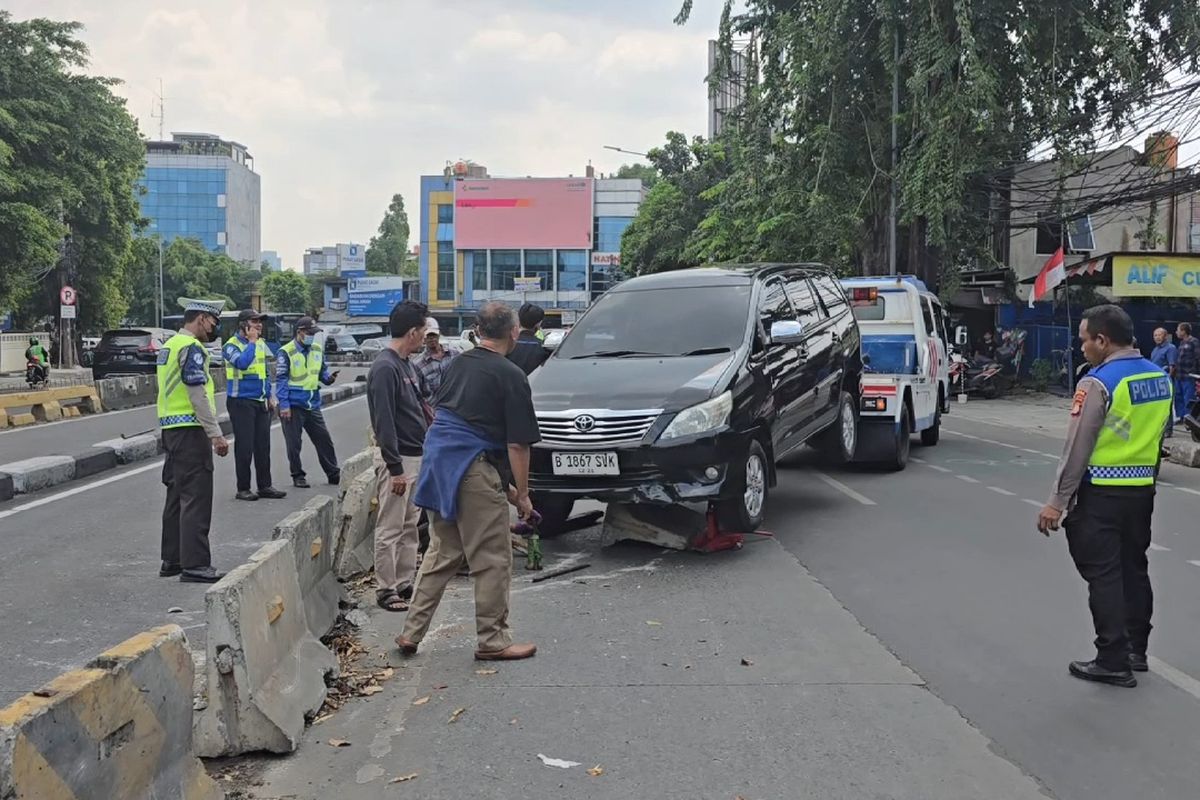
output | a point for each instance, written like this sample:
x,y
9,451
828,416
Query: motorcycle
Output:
x,y
36,374
986,377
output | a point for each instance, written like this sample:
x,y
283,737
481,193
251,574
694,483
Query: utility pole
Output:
x,y
895,137
160,281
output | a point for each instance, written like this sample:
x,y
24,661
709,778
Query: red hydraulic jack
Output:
x,y
714,540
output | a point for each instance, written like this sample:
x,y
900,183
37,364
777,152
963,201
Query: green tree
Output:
x,y
70,155
189,270
644,172
388,249
287,292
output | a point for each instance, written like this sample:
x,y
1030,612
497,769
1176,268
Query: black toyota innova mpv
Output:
x,y
689,386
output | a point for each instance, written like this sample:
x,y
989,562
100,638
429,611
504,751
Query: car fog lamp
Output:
x,y
712,473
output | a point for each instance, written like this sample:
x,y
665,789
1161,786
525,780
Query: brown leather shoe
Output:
x,y
407,646
514,652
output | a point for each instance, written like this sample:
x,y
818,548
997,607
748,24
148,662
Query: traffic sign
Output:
x,y
67,312
68,296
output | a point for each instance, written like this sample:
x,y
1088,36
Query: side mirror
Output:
x,y
787,331
960,336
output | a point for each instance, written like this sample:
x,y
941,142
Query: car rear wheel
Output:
x,y
839,442
903,443
931,435
745,510
555,510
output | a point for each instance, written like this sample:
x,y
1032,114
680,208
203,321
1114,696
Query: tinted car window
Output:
x,y
661,322
125,338
804,301
773,306
930,328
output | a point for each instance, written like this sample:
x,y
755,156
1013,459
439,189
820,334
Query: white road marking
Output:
x,y
916,460
1033,503
1159,548
41,426
940,469
846,490
1004,492
1189,491
156,464
1194,563
966,478
1166,483
1178,677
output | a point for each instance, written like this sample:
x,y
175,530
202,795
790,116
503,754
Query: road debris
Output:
x,y
596,771
338,743
458,712
174,610
486,671
558,762
558,573
747,662
404,778
653,622
357,675
420,701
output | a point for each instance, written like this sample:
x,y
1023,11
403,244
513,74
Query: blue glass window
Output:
x,y
506,265
445,271
538,263
572,270
609,231
445,212
479,278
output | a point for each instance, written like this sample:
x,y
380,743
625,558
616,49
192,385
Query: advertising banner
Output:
x,y
373,297
353,260
1155,275
530,284
529,213
606,259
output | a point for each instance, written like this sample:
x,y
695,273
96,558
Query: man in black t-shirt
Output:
x,y
529,353
476,462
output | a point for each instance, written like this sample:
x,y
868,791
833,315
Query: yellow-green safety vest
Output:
x,y
175,408
304,372
257,370
1140,402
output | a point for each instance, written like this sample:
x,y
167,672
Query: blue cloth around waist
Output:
x,y
451,444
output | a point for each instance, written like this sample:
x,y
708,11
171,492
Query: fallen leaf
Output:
x,y
747,662
420,701
385,674
401,779
338,743
558,762
596,771
653,622
514,722
486,671
370,690
458,712
441,686
322,718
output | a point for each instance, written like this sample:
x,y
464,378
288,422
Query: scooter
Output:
x,y
972,377
36,374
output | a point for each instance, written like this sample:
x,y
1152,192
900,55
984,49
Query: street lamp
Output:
x,y
623,150
160,281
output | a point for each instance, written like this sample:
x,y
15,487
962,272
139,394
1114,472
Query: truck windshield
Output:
x,y
661,322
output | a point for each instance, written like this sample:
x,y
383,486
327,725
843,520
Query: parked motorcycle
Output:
x,y
986,377
37,374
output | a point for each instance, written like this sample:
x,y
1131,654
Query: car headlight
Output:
x,y
702,418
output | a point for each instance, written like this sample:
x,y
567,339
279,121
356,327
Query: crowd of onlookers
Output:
x,y
1179,360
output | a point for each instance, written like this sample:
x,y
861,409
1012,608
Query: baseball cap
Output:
x,y
431,326
248,314
307,324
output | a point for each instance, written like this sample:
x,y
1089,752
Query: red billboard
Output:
x,y
523,213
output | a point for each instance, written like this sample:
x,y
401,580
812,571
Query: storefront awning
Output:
x,y
1141,273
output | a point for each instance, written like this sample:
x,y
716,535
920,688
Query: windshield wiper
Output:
x,y
706,351
616,354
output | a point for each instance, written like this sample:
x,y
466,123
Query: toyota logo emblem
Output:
x,y
584,423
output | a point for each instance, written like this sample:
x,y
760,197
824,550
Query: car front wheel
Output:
x,y
839,442
744,510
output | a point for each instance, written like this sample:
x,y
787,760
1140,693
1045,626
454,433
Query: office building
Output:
x,y
727,93
271,259
203,187
551,241
342,260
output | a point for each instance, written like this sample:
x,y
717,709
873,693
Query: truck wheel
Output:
x,y
903,443
555,510
931,435
838,443
745,510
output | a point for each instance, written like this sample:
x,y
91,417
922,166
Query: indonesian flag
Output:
x,y
1052,274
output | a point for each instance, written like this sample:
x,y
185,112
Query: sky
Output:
x,y
343,103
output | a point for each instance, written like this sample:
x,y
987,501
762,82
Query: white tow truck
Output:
x,y
906,367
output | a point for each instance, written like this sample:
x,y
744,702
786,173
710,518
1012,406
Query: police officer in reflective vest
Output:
x,y
187,415
1105,485
300,370
249,401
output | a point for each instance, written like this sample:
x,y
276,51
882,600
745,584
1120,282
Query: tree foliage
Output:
x,y
287,292
189,270
388,250
70,155
647,174
806,170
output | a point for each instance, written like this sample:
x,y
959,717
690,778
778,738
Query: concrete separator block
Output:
x,y
675,527
312,531
42,472
354,551
355,465
264,670
6,487
120,727
19,420
91,462
128,391
133,449
1184,451
48,411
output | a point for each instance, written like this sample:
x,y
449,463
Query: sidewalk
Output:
x,y
678,675
1029,412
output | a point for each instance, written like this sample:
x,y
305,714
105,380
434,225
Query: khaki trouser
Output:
x,y
480,536
396,536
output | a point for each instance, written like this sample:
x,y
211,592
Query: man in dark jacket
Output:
x,y
529,352
398,421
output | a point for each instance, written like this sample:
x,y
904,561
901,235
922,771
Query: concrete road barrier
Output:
x,y
6,487
119,728
133,449
354,552
312,531
264,670
355,465
1183,451
42,472
127,391
93,461
46,405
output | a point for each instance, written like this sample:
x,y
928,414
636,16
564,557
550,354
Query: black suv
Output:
x,y
689,386
128,351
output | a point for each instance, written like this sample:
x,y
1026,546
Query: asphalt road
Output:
x,y
79,433
79,571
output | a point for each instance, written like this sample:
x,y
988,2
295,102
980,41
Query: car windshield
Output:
x,y
661,322
128,338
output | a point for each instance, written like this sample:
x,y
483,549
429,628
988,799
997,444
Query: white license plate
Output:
x,y
585,464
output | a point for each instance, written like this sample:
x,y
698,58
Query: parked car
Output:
x,y
689,386
342,344
372,347
554,338
128,351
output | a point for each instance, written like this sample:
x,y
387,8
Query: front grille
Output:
x,y
607,427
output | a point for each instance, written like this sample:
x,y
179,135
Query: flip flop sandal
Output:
x,y
390,600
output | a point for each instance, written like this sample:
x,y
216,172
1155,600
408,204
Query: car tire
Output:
x,y
903,442
838,443
555,510
744,511
931,435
